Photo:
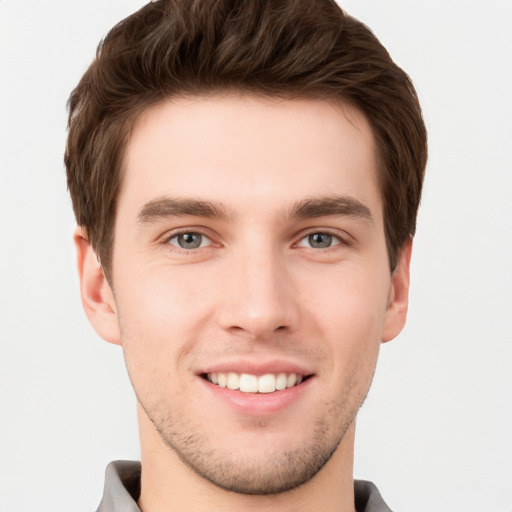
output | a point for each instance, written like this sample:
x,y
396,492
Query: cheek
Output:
x,y
166,300
160,316
347,296
349,309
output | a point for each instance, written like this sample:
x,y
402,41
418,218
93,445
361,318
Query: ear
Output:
x,y
398,303
97,296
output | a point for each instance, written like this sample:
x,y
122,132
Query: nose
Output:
x,y
259,296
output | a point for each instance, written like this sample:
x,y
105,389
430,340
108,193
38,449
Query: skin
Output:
x,y
257,291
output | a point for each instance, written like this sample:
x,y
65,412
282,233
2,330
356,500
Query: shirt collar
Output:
x,y
122,490
122,487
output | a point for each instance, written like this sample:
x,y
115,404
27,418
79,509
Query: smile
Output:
x,y
248,383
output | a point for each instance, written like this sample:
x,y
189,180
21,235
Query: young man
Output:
x,y
245,176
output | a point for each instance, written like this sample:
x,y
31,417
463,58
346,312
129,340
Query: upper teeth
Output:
x,y
247,383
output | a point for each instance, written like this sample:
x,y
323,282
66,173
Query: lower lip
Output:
x,y
258,404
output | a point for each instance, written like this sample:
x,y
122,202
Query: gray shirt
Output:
x,y
122,489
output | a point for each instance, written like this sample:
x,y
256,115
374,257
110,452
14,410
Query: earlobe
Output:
x,y
97,297
396,313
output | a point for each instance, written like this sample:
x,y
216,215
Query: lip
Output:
x,y
257,367
257,404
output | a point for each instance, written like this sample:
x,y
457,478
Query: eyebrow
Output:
x,y
305,209
328,206
169,207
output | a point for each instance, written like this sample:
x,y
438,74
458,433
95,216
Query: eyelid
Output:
x,y
169,235
205,241
342,238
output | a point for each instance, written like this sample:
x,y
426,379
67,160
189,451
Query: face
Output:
x,y
251,286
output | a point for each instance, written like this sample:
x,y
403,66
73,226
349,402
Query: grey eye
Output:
x,y
320,240
188,240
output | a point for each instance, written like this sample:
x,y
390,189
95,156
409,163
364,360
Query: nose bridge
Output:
x,y
259,293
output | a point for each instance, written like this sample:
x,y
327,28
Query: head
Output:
x,y
291,49
248,176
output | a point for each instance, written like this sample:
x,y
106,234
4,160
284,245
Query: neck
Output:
x,y
167,483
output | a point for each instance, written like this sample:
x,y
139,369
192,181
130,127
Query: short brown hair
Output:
x,y
282,48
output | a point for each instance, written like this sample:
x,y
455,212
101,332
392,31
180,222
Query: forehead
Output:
x,y
246,151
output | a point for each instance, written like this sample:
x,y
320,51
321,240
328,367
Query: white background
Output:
x,y
435,433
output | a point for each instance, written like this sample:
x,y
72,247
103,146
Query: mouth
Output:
x,y
250,383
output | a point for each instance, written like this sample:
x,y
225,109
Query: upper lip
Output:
x,y
254,367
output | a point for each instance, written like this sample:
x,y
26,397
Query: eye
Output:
x,y
189,240
319,240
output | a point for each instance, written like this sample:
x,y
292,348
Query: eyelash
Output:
x,y
336,239
175,235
